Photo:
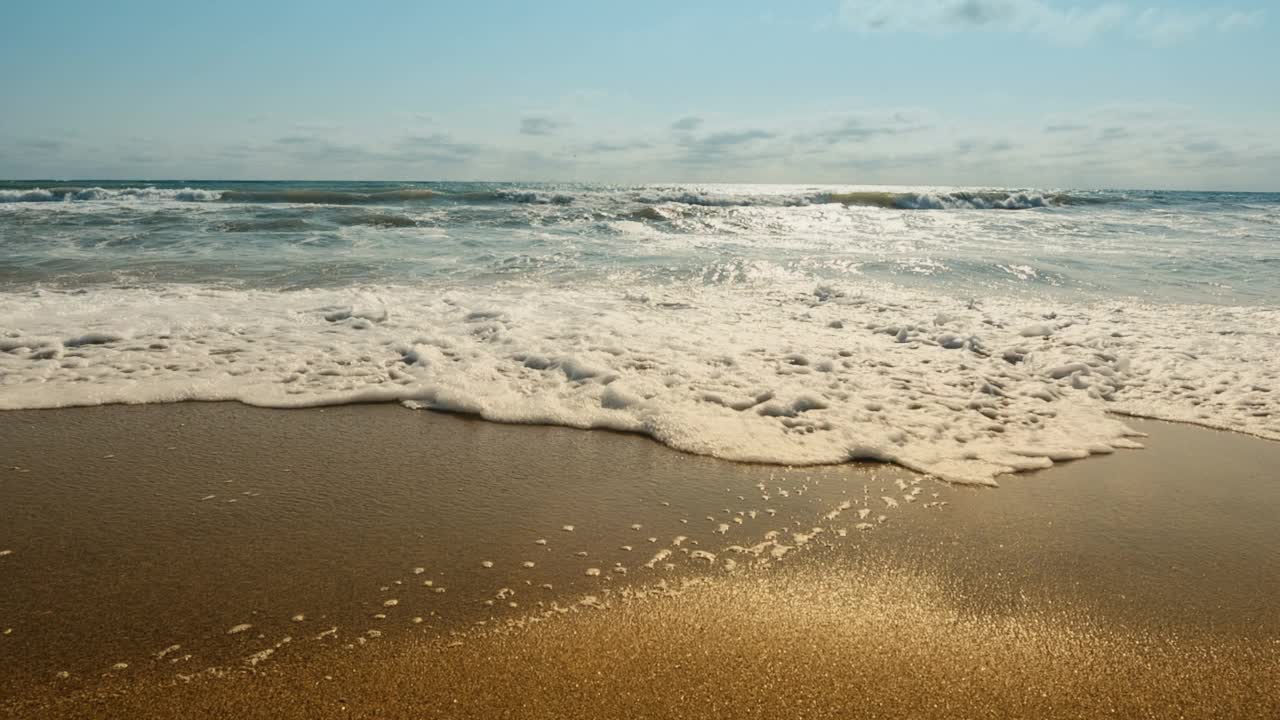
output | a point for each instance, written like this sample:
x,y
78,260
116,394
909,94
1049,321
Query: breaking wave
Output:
x,y
73,194
956,200
894,200
326,197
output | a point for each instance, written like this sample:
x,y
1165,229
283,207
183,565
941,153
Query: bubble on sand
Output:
x,y
298,618
239,629
392,602
593,572
838,509
5,552
527,564
259,657
331,632
417,621
171,649
486,564
120,666
567,528
63,675
438,590
540,541
618,570
637,526
581,553
428,583
625,548
419,571
208,497
658,557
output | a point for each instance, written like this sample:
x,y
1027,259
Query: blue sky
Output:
x,y
972,92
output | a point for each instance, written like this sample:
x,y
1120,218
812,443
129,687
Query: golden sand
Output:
x,y
222,561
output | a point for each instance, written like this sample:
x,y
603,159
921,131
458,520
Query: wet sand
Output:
x,y
1141,584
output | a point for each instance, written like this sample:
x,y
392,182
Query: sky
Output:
x,y
1012,93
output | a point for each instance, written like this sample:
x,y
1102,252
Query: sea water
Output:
x,y
960,332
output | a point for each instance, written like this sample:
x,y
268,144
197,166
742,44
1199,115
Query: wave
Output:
x,y
976,392
527,197
82,194
326,197
382,220
955,200
692,198
273,225
296,196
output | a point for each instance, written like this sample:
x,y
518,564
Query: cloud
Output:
x,y
728,147
1065,128
539,125
612,147
688,123
319,150
1115,132
1237,20
985,147
437,147
44,146
859,129
726,139
1068,24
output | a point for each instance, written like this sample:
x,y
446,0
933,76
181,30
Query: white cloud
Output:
x,y
540,125
1068,24
1238,20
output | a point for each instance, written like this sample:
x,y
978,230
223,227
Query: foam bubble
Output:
x,y
586,357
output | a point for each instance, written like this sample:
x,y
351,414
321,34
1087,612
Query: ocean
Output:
x,y
964,333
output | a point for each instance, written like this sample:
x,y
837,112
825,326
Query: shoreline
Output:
x,y
117,553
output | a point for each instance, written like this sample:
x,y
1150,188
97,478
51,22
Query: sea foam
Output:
x,y
784,374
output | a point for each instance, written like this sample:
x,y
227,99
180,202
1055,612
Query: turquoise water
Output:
x,y
1192,247
965,333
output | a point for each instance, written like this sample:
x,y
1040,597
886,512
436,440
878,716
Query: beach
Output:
x,y
218,560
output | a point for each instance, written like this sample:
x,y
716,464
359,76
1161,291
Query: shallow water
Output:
x,y
961,332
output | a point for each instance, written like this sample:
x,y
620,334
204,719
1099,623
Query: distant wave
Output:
x,y
298,196
72,194
326,197
529,197
955,200
950,200
623,200
382,220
